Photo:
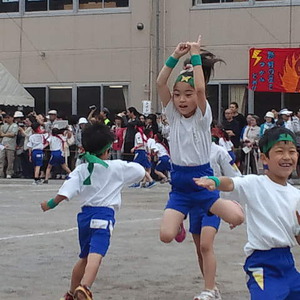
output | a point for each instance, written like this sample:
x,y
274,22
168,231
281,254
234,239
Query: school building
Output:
x,y
70,54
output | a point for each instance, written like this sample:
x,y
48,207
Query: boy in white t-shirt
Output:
x,y
189,115
272,217
97,183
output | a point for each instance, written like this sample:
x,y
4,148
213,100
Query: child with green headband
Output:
x,y
273,220
189,115
97,183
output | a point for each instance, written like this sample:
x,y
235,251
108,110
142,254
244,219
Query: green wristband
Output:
x,y
51,203
171,62
215,179
196,60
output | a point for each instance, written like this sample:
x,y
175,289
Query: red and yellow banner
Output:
x,y
274,70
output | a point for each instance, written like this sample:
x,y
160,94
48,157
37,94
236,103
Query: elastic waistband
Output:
x,y
273,251
98,209
190,168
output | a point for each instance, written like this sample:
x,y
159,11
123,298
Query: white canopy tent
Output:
x,y
11,91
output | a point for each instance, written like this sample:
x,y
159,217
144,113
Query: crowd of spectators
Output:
x,y
237,133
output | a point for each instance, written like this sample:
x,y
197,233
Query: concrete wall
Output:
x,y
107,47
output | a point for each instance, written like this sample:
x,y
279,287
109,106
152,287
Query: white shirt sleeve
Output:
x,y
72,186
133,172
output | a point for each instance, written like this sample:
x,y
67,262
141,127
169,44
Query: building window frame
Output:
x,y
197,4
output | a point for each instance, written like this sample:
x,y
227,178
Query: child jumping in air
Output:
x,y
189,115
97,183
272,217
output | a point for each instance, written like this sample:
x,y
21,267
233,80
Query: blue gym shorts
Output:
x,y
272,275
37,156
200,219
95,226
141,157
185,194
56,158
163,164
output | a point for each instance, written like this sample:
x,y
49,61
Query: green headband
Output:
x,y
187,79
282,137
91,159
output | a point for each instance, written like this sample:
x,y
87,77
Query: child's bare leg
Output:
x,y
148,176
229,211
91,269
77,273
170,225
65,167
196,238
37,172
48,170
208,259
160,174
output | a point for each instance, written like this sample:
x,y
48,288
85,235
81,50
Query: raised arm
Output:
x,y
224,184
163,76
199,81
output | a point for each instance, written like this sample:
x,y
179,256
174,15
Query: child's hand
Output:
x,y
206,183
44,206
181,49
195,46
132,150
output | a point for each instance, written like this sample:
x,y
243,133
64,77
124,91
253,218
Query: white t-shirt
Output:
x,y
190,138
139,140
226,144
270,212
56,143
37,141
151,144
220,162
106,183
161,150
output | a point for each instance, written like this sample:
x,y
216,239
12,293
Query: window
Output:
x,y
39,95
114,98
87,96
90,4
60,98
200,2
9,6
44,5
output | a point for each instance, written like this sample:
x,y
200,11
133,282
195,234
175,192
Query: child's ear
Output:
x,y
263,158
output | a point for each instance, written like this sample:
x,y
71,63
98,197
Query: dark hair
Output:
x,y
35,126
235,104
95,137
208,62
133,110
272,135
73,119
162,140
31,118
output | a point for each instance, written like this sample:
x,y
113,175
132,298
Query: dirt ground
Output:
x,y
38,250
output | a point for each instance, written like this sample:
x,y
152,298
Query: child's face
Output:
x,y
185,99
282,161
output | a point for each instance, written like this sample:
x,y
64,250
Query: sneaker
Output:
x,y
36,182
206,295
151,184
67,296
83,291
135,185
180,237
217,294
8,176
45,181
